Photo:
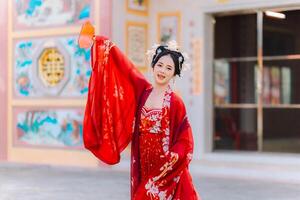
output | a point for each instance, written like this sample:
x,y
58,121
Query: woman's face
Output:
x,y
164,70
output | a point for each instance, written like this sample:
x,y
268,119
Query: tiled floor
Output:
x,y
29,182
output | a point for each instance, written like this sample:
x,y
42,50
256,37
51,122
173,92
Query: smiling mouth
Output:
x,y
161,77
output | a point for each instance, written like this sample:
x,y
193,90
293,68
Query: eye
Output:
x,y
169,68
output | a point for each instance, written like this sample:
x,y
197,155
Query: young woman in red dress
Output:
x,y
123,107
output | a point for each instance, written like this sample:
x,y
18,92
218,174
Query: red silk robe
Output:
x,y
117,93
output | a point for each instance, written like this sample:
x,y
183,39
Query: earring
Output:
x,y
174,82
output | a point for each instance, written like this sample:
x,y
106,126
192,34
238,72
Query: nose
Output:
x,y
162,70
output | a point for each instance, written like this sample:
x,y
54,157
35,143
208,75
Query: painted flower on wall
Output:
x,y
43,13
23,84
60,128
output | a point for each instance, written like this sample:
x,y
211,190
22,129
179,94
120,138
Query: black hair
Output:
x,y
176,56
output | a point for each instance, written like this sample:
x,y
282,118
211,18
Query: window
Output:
x,y
237,111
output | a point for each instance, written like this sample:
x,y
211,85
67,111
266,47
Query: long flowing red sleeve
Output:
x,y
115,87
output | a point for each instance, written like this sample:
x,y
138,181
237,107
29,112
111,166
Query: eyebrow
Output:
x,y
163,63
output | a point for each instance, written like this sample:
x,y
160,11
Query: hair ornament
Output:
x,y
151,52
173,46
186,65
180,59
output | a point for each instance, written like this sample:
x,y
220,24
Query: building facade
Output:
x,y
241,92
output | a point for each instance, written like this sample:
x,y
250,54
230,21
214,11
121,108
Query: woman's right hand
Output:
x,y
87,35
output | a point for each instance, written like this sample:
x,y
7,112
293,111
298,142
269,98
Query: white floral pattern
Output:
x,y
166,104
107,46
189,157
119,92
153,191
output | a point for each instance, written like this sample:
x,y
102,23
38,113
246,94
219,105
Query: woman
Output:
x,y
122,106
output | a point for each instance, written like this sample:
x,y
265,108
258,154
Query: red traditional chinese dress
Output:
x,y
162,142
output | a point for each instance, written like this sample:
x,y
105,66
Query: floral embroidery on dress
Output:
x,y
167,166
119,92
166,120
176,179
107,110
154,148
103,52
154,193
107,46
150,141
189,157
151,120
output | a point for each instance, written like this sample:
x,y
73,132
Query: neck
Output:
x,y
160,88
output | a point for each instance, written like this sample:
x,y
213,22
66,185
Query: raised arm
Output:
x,y
123,65
115,88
